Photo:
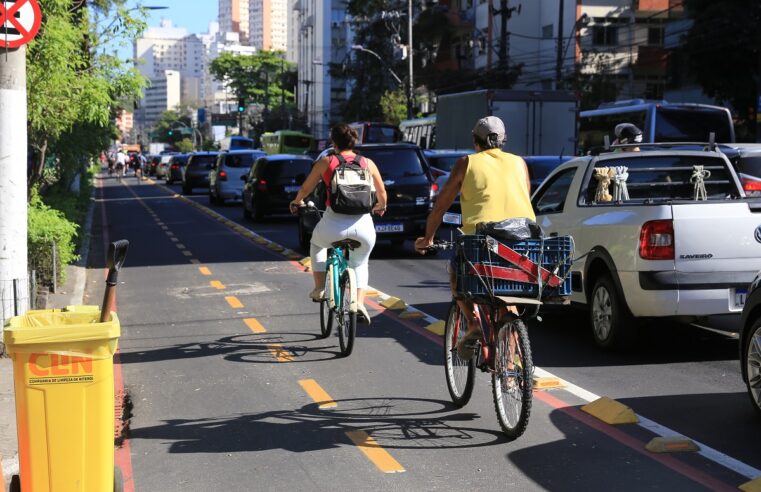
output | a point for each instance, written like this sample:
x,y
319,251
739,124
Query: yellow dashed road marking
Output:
x,y
217,284
234,302
204,271
254,325
280,353
379,456
319,395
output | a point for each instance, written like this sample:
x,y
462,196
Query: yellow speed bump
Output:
x,y
752,486
671,445
411,315
372,293
275,247
610,411
307,261
547,383
260,240
437,327
394,303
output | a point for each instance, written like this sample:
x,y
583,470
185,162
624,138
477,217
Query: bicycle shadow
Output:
x,y
396,423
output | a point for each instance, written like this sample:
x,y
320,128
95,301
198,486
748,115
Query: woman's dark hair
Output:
x,y
343,136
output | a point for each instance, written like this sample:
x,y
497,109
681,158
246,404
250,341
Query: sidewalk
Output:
x,y
71,293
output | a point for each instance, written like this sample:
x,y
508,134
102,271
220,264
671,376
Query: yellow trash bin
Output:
x,y
64,383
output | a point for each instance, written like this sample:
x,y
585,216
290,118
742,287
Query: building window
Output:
x,y
605,35
548,31
655,36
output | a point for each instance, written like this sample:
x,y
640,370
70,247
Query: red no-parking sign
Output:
x,y
19,22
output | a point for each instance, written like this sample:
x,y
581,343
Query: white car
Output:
x,y
660,253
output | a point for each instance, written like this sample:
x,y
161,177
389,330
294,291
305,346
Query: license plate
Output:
x,y
740,296
292,189
389,228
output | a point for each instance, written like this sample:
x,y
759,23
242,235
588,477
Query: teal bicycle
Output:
x,y
340,299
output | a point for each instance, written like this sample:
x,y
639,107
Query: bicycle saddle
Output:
x,y
349,244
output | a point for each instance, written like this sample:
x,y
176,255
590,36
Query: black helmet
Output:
x,y
627,133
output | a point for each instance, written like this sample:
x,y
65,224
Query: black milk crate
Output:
x,y
555,255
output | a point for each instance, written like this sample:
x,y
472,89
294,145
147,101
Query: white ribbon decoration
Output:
x,y
699,175
620,190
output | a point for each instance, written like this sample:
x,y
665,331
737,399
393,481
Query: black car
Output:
x,y
153,162
750,342
176,166
196,173
408,183
272,183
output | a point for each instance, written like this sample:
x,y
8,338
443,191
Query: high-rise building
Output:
x,y
268,21
234,17
217,42
168,48
325,36
162,94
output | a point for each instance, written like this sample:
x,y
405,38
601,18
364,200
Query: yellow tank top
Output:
x,y
495,188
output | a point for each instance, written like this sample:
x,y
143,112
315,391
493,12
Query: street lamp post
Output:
x,y
407,89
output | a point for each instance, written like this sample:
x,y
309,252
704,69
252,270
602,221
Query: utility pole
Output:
x,y
559,64
502,65
14,299
411,90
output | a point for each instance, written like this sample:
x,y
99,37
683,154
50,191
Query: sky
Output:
x,y
194,15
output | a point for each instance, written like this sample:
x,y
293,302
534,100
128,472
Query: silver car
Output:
x,y
225,177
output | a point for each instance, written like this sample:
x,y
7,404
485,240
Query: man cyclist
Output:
x,y
493,186
121,163
335,226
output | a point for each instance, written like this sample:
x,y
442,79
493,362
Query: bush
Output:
x,y
46,227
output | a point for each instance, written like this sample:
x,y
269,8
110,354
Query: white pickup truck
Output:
x,y
659,252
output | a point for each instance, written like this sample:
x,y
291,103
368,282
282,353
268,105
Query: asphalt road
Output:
x,y
219,400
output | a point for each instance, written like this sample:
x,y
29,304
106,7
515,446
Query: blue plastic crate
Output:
x,y
555,255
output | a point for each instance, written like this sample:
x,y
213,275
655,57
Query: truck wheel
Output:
x,y
612,325
751,359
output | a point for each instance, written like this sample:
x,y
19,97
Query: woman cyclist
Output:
x,y
334,226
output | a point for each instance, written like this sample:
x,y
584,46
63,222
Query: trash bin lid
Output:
x,y
54,326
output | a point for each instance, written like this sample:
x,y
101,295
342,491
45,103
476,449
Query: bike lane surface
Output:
x,y
217,401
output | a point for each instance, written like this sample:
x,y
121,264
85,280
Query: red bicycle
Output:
x,y
496,277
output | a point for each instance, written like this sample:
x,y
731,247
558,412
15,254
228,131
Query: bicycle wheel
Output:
x,y
512,382
326,319
461,374
347,316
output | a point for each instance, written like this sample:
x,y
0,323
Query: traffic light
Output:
x,y
171,132
241,105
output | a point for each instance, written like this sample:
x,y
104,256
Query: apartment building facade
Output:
x,y
234,17
269,24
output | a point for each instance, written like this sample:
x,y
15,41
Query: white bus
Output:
x,y
659,121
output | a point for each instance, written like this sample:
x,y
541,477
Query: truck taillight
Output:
x,y
751,185
656,240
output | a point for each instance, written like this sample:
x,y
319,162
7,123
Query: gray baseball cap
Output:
x,y
491,125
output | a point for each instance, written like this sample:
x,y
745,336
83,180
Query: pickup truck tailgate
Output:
x,y
715,244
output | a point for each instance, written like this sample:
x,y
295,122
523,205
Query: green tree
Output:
x,y
258,78
723,51
185,146
394,106
169,126
74,85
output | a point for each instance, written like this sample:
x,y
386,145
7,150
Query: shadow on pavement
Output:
x,y
397,423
